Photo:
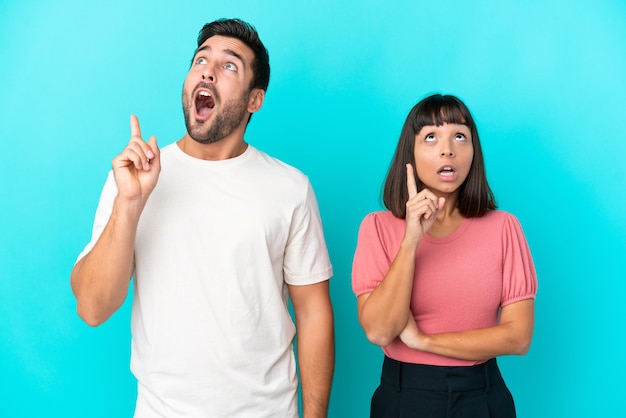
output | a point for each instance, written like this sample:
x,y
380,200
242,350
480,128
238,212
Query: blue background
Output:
x,y
545,80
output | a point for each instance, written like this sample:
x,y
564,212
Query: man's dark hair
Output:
x,y
246,33
475,195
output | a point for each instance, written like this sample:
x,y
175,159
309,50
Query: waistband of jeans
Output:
x,y
440,378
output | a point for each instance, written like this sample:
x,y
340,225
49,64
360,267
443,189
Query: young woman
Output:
x,y
445,282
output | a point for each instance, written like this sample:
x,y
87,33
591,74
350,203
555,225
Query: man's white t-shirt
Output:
x,y
215,247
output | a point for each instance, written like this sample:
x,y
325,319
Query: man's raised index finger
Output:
x,y
410,181
134,126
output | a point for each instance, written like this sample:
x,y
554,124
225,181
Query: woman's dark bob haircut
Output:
x,y
475,196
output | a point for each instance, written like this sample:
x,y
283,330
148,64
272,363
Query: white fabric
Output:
x,y
216,243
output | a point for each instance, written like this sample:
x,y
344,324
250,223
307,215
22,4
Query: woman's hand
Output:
x,y
412,336
421,209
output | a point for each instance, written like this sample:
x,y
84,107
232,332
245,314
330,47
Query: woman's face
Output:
x,y
443,157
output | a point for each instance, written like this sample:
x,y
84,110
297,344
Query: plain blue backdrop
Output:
x,y
545,80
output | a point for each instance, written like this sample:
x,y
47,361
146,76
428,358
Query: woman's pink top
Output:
x,y
461,281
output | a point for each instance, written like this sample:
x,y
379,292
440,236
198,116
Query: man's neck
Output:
x,y
223,149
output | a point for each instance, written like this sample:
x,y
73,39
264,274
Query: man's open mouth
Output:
x,y
204,103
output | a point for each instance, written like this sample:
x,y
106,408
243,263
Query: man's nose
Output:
x,y
208,74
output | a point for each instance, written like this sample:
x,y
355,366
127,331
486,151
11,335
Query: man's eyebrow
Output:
x,y
227,51
234,54
201,49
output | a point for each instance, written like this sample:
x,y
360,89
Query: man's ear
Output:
x,y
256,100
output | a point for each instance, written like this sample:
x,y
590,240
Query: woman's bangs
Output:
x,y
439,112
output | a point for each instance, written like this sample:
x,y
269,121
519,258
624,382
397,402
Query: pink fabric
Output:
x,y
461,280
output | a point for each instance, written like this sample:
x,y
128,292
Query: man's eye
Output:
x,y
230,66
201,61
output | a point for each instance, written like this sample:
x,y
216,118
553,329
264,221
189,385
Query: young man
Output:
x,y
218,236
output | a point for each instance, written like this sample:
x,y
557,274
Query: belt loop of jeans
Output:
x,y
399,377
487,379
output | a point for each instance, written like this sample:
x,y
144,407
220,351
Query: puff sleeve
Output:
x,y
519,278
372,257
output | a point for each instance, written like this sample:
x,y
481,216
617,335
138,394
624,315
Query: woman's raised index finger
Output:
x,y
134,126
411,186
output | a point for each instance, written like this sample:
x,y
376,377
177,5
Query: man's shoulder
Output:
x,y
277,166
169,149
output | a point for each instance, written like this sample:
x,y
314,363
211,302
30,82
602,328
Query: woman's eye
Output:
x,y
429,138
460,137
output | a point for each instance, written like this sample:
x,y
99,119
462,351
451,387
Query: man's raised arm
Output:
x,y
101,278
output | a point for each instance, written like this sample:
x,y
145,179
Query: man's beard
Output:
x,y
223,124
